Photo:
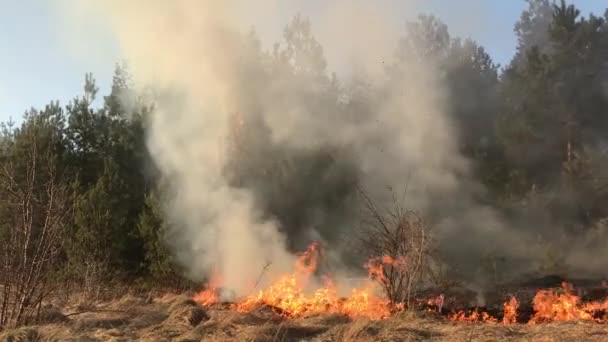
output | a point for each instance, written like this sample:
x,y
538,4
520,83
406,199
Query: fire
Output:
x,y
288,295
210,296
551,306
548,305
510,311
306,264
436,302
509,314
474,316
376,267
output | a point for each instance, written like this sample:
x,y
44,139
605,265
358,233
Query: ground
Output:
x,y
171,317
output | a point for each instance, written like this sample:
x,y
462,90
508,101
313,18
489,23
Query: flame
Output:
x,y
376,266
510,311
288,296
209,296
375,270
473,316
551,306
436,302
509,314
307,263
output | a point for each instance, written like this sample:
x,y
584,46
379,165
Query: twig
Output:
x,y
90,311
257,282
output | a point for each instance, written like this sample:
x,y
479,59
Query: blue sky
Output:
x,y
37,66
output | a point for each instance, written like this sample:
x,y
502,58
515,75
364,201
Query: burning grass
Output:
x,y
286,311
548,305
287,297
173,317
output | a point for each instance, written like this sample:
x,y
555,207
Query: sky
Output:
x,y
45,56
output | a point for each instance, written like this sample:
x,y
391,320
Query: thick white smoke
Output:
x,y
195,53
203,66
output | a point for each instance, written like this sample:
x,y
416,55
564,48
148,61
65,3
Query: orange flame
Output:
x,y
509,314
474,316
307,263
550,306
288,297
510,311
210,296
376,266
436,302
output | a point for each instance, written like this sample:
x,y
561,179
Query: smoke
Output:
x,y
204,67
264,150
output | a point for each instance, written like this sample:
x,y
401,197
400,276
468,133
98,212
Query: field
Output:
x,y
175,317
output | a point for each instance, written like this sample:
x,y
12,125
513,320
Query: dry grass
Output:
x,y
177,318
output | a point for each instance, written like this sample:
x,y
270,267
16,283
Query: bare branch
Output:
x,y
399,246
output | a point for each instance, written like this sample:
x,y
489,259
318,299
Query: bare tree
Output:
x,y
399,245
35,207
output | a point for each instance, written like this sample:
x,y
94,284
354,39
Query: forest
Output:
x,y
83,201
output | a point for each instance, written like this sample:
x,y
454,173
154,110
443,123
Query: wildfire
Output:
x,y
210,296
509,314
510,311
288,295
474,316
436,303
376,266
550,306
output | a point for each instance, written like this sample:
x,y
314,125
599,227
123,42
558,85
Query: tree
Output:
x,y
426,39
154,232
472,86
552,112
301,52
109,159
35,211
532,30
98,239
321,178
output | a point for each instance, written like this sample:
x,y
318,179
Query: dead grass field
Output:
x,y
173,317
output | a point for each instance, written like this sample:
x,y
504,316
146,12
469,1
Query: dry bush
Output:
x,y
400,247
35,209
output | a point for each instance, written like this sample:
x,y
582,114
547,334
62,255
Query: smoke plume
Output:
x,y
264,149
